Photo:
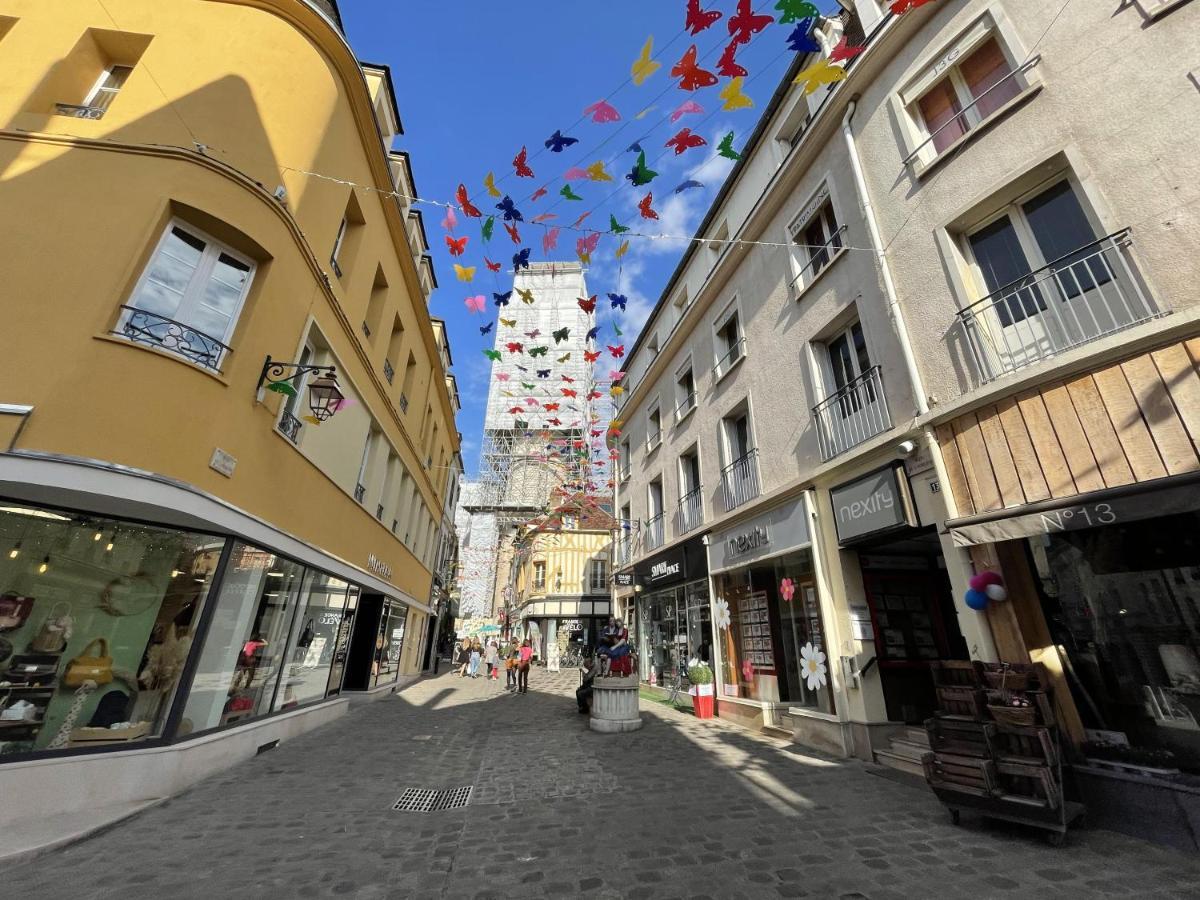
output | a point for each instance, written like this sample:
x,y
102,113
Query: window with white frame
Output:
x,y
539,574
685,391
105,91
189,297
848,361
729,343
817,236
972,80
623,459
653,428
597,581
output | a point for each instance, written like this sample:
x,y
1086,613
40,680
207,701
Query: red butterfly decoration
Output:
x,y
543,217
550,407
590,356
685,140
492,267
514,347
513,233
698,19
568,379
843,52
727,66
644,207
745,24
516,410
617,351
523,171
554,421
594,395
538,195
579,221
900,7
467,208
690,74
458,246
588,306
569,392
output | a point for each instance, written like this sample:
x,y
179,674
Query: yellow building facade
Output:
x,y
561,586
232,546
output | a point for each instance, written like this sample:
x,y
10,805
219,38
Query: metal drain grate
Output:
x,y
416,800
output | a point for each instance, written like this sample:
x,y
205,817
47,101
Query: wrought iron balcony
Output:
x,y
654,536
388,372
1087,294
144,327
819,258
686,405
739,480
852,415
289,426
730,359
79,112
360,492
691,511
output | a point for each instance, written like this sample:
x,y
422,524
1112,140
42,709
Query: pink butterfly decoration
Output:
x,y
614,375
451,220
575,173
687,106
588,244
600,111
550,240
476,304
502,376
543,217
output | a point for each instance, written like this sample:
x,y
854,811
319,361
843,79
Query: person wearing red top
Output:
x,y
523,662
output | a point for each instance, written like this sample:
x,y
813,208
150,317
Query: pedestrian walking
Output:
x,y
511,659
491,656
463,659
476,655
523,663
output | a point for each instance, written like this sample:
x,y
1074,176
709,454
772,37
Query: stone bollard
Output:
x,y
615,705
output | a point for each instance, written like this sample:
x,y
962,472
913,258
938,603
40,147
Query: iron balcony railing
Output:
x,y
739,480
623,473
388,372
817,260
690,512
654,532
853,414
686,405
144,327
1087,294
732,355
289,426
79,112
360,492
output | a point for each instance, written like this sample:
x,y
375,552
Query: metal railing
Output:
x,y
79,112
1085,295
623,473
379,512
388,372
653,439
853,414
732,355
144,327
360,492
289,427
690,512
686,405
822,254
739,480
654,536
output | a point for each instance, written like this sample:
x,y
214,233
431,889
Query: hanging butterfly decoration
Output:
x,y
801,39
614,226
601,112
491,266
476,304
543,373
568,193
558,142
617,351
645,209
511,213
464,273
457,246
644,66
725,148
485,230
538,195
687,186
641,174
699,19
691,76
486,329
465,204
795,10
521,166
502,299
589,305
526,294
521,259
618,300
514,233
744,24
686,139
489,182
561,335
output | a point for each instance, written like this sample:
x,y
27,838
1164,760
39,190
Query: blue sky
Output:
x,y
478,80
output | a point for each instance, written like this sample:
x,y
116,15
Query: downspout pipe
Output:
x,y
895,313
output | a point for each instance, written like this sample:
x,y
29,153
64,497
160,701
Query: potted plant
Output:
x,y
701,677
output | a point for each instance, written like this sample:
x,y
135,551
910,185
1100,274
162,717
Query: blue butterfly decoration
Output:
x,y
521,260
591,335
511,213
687,186
502,299
635,147
801,40
522,368
618,300
486,329
558,141
543,373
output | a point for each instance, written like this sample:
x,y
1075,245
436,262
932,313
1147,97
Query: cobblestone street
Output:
x,y
682,808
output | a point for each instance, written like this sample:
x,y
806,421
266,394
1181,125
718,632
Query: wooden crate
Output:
x,y
1013,676
965,774
959,737
1030,785
955,673
964,700
1029,745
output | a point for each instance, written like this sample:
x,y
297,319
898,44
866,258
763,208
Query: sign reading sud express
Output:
x,y
873,504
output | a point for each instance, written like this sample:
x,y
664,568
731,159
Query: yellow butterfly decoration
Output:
x,y
311,420
733,96
507,394
585,258
645,112
464,273
489,182
623,249
643,67
617,390
526,295
508,323
819,73
595,172
566,357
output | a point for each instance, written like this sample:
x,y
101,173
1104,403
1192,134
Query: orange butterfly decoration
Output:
x,y
513,233
690,74
685,140
570,392
589,305
523,170
463,202
492,266
590,356
645,209
457,246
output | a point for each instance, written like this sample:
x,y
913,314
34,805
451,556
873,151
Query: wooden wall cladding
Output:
x,y
1133,421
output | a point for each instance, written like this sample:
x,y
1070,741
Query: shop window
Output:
x,y
774,648
674,626
189,297
390,643
1123,603
97,618
313,648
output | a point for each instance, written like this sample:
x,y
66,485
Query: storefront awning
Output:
x,y
1113,506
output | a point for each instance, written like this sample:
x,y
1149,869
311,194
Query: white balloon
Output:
x,y
996,592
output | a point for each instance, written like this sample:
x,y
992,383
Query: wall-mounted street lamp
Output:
x,y
324,395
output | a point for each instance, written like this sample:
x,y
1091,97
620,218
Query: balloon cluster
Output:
x,y
984,587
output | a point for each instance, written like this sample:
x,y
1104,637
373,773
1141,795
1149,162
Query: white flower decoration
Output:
x,y
812,666
722,614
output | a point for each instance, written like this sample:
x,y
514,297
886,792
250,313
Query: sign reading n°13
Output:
x,y
873,504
